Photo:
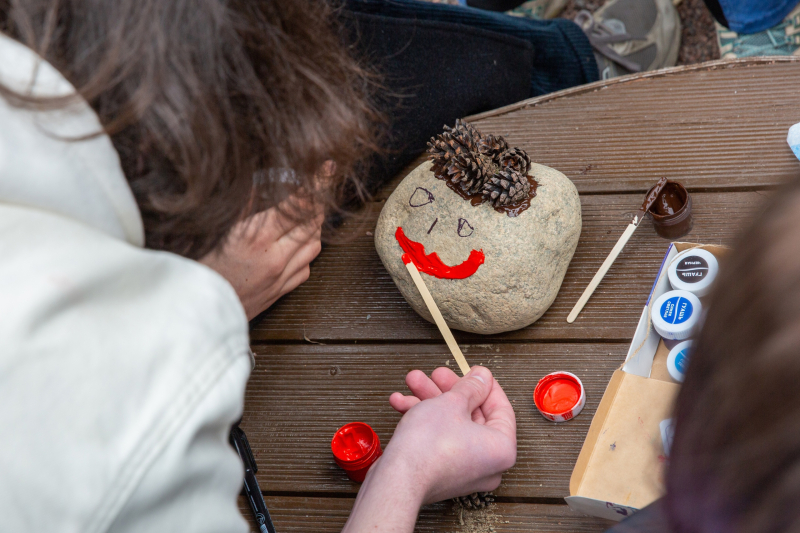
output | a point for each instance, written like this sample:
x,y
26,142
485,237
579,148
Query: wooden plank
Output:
x,y
350,296
299,395
710,126
719,125
671,72
328,515
708,129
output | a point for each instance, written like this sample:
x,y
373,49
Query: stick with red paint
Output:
x,y
431,262
437,315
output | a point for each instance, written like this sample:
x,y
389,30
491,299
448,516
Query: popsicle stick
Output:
x,y
438,318
601,273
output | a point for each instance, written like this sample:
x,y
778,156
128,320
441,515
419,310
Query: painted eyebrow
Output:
x,y
421,196
465,229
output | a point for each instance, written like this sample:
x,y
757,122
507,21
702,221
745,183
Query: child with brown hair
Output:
x,y
141,140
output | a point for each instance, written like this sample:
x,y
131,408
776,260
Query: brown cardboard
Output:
x,y
621,465
594,431
626,459
660,371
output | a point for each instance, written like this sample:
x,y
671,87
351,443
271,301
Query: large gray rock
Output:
x,y
526,256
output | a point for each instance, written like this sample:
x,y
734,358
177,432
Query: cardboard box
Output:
x,y
621,465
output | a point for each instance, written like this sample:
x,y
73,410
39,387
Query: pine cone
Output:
x,y
517,159
506,187
476,500
482,164
492,146
465,133
454,142
470,171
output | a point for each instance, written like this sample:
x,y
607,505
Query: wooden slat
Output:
x,y
299,395
328,515
351,296
718,125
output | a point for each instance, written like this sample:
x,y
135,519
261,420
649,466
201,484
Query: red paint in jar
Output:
x,y
432,265
559,396
355,448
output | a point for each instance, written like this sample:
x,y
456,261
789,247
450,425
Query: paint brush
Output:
x,y
612,256
437,316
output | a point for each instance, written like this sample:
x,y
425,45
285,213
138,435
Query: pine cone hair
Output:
x,y
506,187
471,172
516,159
492,146
481,164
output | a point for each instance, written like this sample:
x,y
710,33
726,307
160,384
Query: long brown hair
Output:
x,y
735,459
218,108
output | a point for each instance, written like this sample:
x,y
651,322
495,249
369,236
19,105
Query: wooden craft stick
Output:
x,y
601,273
649,199
438,318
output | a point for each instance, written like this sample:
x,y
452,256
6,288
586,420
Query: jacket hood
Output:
x,y
42,168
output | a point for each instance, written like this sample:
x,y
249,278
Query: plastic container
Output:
x,y
355,448
559,396
675,314
678,360
672,211
693,271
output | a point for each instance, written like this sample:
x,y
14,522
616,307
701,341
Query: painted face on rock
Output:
x,y
431,263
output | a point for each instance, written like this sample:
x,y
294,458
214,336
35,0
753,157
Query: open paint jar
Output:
x,y
355,448
672,211
559,396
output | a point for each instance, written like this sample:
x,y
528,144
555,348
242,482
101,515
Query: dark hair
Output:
x,y
735,459
218,109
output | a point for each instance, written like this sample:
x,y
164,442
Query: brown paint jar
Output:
x,y
672,211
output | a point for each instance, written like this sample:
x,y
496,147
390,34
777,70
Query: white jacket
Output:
x,y
121,369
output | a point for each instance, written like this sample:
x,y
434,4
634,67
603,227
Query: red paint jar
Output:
x,y
559,396
355,448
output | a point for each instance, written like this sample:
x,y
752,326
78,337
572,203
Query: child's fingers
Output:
x,y
421,385
401,403
444,378
499,413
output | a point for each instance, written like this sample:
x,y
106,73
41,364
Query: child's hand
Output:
x,y
267,256
458,435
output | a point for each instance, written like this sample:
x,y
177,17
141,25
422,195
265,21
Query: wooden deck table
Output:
x,y
332,351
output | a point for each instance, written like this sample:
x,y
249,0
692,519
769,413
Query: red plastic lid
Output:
x,y
559,396
353,442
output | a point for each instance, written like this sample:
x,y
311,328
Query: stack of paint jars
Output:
x,y
676,313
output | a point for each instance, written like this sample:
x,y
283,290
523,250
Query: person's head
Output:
x,y
735,459
217,108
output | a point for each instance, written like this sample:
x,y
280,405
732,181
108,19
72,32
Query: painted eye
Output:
x,y
420,197
464,228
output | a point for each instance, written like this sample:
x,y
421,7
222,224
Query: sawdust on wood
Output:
x,y
484,520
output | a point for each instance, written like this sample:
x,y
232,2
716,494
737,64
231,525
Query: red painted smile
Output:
x,y
432,265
